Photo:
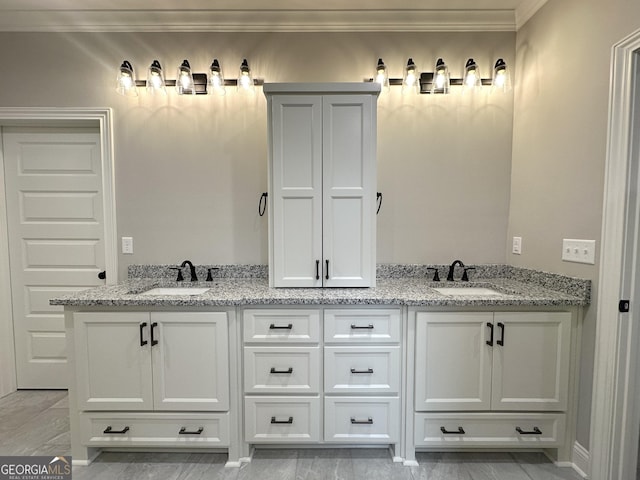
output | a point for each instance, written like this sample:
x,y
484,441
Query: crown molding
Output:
x,y
526,10
256,20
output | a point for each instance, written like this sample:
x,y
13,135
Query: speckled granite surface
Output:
x,y
396,285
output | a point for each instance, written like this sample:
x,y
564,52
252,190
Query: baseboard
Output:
x,y
581,460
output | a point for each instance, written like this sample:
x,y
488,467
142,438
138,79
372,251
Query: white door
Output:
x,y
349,182
531,361
453,361
56,239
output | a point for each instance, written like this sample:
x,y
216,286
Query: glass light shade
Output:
x,y
216,79
501,78
441,81
125,81
410,82
155,79
472,80
245,81
184,79
381,76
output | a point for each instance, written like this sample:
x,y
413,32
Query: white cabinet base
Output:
x,y
362,419
282,419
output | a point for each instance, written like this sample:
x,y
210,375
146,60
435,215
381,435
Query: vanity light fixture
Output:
x,y
245,81
472,80
441,79
155,79
125,81
184,79
216,79
410,82
501,77
381,75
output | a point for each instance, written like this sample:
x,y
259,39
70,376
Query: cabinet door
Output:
x,y
349,184
190,361
296,199
453,361
113,362
531,369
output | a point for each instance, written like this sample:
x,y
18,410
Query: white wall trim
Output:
x,y
581,460
40,117
613,373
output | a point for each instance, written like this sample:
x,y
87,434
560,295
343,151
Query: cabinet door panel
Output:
x,y
113,368
191,361
453,361
531,370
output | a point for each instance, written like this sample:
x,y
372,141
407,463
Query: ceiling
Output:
x,y
265,15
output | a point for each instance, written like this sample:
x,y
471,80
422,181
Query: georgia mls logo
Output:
x,y
35,468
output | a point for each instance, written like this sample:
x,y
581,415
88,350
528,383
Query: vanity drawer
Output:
x,y
282,370
362,326
154,429
362,369
362,419
282,419
489,429
281,326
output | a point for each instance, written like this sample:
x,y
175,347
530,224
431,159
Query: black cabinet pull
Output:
x,y
287,371
368,370
153,340
358,327
535,431
143,342
274,421
111,431
379,198
262,204
280,327
102,275
326,277
368,421
317,269
460,431
501,341
490,341
184,431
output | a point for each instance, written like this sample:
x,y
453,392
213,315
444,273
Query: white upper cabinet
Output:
x,y
322,184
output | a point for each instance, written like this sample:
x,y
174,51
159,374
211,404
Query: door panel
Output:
x,y
56,239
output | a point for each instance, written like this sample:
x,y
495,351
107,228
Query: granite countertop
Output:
x,y
395,287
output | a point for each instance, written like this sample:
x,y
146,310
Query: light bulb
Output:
x,y
440,78
410,83
472,79
501,78
245,82
216,79
184,82
381,75
155,79
125,82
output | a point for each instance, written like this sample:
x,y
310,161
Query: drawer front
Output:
x,y
362,419
282,419
154,429
362,326
362,369
282,369
281,326
489,429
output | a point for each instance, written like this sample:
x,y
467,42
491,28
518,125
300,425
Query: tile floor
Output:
x,y
37,423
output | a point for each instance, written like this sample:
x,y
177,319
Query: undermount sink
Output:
x,y
176,291
468,291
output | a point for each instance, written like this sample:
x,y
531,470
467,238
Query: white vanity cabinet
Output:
x,y
322,184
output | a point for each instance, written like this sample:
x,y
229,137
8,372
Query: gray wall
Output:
x,y
559,144
189,171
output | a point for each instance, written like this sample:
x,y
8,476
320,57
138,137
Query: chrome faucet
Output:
x,y
194,277
452,268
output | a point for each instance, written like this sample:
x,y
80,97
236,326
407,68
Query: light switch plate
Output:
x,y
517,245
579,251
127,245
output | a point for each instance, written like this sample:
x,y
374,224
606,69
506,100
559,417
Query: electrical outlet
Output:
x,y
579,251
517,245
127,245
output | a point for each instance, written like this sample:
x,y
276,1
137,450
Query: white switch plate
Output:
x,y
579,251
517,245
127,245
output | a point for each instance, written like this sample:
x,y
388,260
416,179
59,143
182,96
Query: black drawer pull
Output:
x,y
317,269
460,431
111,431
501,341
368,421
289,421
153,340
184,431
280,327
326,277
358,327
535,431
142,341
490,341
368,370
289,370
